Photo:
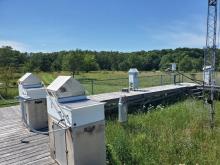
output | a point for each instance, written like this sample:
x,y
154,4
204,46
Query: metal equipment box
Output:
x,y
207,72
76,124
133,79
173,66
32,96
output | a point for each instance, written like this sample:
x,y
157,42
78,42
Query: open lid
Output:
x,y
173,66
29,79
133,70
208,67
66,86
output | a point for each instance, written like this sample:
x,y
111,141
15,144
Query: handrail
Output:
x,y
194,80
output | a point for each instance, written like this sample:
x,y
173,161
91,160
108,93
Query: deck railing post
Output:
x,y
122,110
92,86
174,78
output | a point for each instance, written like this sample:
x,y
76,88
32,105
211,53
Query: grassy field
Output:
x,y
100,81
103,81
96,82
8,102
164,135
178,134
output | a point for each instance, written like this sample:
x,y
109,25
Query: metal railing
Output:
x,y
97,86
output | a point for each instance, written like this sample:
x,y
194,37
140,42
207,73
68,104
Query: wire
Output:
x,y
2,97
57,105
39,132
47,132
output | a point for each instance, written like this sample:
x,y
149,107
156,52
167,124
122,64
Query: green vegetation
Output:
x,y
178,134
172,135
87,65
8,102
98,81
78,60
94,82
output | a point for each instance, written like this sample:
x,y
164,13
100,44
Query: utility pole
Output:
x,y
209,57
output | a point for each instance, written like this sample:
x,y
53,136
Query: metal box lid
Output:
x,y
66,86
29,79
206,68
84,112
77,113
133,70
33,93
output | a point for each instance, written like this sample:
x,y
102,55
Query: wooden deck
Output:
x,y
13,152
144,92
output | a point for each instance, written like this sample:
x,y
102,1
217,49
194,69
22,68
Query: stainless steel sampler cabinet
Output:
x,y
133,79
76,124
207,73
32,96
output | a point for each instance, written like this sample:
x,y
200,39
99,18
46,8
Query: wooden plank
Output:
x,y
28,158
20,146
18,143
15,136
43,161
12,151
106,97
22,154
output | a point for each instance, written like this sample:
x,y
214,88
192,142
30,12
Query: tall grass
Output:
x,y
173,135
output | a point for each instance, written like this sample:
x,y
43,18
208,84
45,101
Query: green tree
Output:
x,y
124,65
89,63
72,62
6,76
11,58
186,64
165,61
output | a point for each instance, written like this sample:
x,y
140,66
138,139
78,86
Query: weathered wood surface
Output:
x,y
12,151
114,96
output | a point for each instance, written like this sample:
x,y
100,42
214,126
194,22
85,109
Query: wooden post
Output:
x,y
92,86
161,79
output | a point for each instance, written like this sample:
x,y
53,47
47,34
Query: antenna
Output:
x,y
209,57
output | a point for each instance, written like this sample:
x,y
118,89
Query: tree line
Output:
x,y
187,59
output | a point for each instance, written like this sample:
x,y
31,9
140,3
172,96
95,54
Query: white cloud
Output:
x,y
183,34
15,45
178,34
180,39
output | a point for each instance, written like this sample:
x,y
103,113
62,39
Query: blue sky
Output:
x,y
121,25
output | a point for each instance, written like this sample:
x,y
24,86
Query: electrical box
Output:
x,y
207,72
76,124
32,96
133,79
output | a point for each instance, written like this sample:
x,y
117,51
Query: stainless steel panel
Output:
x,y
60,145
84,145
36,113
89,144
